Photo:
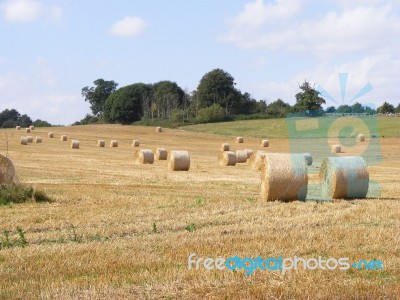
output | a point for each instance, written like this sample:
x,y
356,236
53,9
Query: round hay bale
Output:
x,y
32,127
7,170
344,177
113,143
284,177
256,160
75,144
308,158
179,161
249,152
50,135
239,140
24,140
161,154
159,129
361,137
143,156
264,143
38,140
101,143
241,156
227,158
225,147
29,139
63,138
336,149
27,130
18,127
135,143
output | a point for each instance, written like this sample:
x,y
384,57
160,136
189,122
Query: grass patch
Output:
x,y
19,193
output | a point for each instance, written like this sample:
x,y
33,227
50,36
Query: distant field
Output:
x,y
117,230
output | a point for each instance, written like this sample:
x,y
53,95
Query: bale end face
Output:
x,y
135,143
7,170
161,154
113,143
24,140
225,147
38,140
101,143
27,130
159,129
241,156
336,149
361,138
50,135
75,144
264,143
144,156
63,138
179,161
239,140
256,160
227,158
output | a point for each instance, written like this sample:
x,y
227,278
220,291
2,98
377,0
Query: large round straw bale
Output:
x,y
38,140
101,143
24,140
32,127
336,149
308,158
161,154
50,135
241,156
264,143
7,170
63,138
256,160
239,140
30,139
113,143
75,144
18,127
284,177
135,143
159,129
227,158
361,138
27,130
179,161
249,152
344,177
225,147
143,156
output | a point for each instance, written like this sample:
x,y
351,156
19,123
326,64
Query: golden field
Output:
x,y
118,230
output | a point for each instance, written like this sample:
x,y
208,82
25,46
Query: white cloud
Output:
x,y
128,27
29,10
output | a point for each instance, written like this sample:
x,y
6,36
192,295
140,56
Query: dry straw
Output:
x,y
249,152
50,135
227,158
159,129
24,140
32,127
7,170
75,144
361,138
344,177
264,143
284,177
239,140
18,127
63,138
143,156
38,140
336,149
101,143
135,143
256,160
161,154
30,139
309,159
225,147
241,156
179,161
113,143
27,130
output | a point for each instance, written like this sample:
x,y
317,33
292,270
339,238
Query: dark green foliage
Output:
x,y
214,113
17,239
41,123
88,119
330,109
278,109
308,100
386,108
98,94
18,193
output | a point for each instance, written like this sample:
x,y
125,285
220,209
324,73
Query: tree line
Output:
x,y
10,118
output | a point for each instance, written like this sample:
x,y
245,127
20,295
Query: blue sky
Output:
x,y
51,49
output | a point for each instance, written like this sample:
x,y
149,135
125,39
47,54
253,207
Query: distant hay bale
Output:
x,y
18,127
24,140
113,143
159,129
27,130
7,170
101,143
50,135
225,147
336,149
239,140
256,160
264,143
135,143
227,158
344,177
32,127
29,139
179,161
309,159
63,138
241,156
161,154
38,140
75,144
249,152
284,177
143,156
361,138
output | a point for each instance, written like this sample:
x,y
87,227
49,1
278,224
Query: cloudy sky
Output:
x,y
51,49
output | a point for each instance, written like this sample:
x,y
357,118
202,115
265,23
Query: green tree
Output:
x,y
98,94
308,100
167,96
214,113
24,121
278,108
9,115
344,109
386,108
398,108
357,108
330,109
41,123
